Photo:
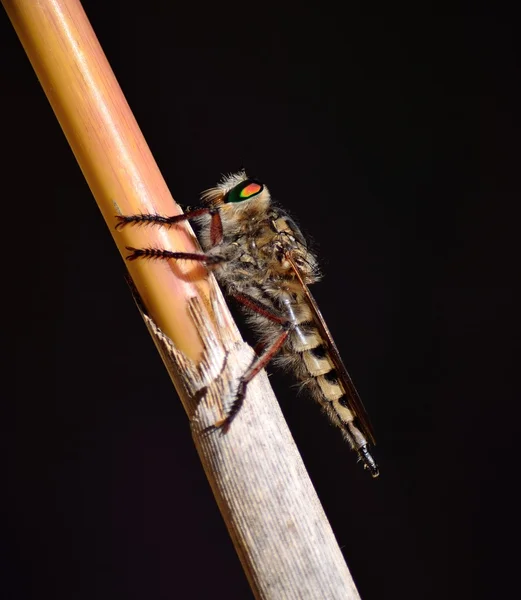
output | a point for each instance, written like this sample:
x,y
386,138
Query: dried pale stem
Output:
x,y
279,529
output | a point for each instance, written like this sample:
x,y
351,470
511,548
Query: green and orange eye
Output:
x,y
244,191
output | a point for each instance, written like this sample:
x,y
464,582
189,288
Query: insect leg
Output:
x,y
216,226
158,254
260,308
154,219
260,361
257,365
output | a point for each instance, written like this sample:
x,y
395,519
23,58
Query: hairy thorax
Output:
x,y
258,249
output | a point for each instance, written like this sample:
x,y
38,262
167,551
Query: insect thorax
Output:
x,y
255,249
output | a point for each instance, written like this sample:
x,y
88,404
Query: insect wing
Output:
x,y
353,399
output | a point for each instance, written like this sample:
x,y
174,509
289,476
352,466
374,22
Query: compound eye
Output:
x,y
244,191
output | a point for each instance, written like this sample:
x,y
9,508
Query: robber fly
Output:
x,y
261,259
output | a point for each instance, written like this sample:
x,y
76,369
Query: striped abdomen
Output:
x,y
306,354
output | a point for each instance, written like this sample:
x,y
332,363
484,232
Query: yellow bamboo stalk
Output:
x,y
274,517
112,153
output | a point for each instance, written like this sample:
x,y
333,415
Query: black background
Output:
x,y
391,133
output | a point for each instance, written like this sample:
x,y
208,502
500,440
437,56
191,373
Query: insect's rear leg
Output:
x,y
257,365
259,362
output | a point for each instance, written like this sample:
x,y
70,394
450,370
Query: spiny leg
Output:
x,y
216,227
257,365
144,219
255,305
159,254
260,308
259,362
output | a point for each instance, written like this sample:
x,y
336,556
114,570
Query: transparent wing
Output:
x,y
353,399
